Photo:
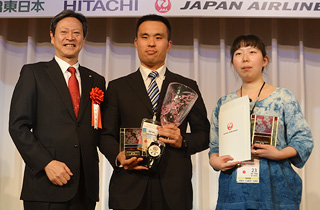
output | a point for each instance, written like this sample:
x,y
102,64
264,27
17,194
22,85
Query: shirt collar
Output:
x,y
64,65
145,72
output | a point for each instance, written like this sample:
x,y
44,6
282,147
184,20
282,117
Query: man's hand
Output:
x,y
172,132
130,164
58,172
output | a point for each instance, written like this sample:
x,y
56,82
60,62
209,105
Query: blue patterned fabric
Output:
x,y
280,186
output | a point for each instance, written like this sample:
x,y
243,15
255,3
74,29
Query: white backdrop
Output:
x,y
200,51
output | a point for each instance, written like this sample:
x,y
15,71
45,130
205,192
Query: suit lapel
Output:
x,y
59,82
137,84
86,86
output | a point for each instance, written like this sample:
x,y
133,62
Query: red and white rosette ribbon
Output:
x,y
96,96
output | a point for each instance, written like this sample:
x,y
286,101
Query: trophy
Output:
x,y
177,103
132,141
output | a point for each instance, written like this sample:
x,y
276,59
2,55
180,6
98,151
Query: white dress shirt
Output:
x,y
64,68
159,80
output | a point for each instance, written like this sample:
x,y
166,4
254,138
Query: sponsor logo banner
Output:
x,y
169,8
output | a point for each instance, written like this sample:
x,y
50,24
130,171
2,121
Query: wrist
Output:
x,y
213,162
118,164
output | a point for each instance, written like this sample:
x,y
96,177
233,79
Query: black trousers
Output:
x,y
77,203
153,198
81,201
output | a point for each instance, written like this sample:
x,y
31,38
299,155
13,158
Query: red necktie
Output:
x,y
74,90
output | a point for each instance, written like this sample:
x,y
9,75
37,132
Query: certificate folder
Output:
x,y
234,129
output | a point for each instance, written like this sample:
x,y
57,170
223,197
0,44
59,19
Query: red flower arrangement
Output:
x,y
97,96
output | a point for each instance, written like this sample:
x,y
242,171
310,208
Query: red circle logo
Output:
x,y
230,125
163,6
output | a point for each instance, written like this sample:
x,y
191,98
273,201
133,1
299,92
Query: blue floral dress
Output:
x,y
280,186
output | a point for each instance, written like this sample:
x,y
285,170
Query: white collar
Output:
x,y
64,65
146,71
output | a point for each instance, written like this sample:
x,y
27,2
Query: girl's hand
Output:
x,y
272,153
222,162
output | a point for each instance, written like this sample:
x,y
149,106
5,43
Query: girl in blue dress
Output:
x,y
279,187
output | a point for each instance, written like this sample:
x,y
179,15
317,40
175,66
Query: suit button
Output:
x,y
78,124
76,146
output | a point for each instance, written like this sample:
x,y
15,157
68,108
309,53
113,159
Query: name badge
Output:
x,y
248,171
152,131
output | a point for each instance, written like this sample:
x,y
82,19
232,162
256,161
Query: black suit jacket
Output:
x,y
127,103
43,127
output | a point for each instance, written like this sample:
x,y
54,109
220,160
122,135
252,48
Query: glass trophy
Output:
x,y
177,103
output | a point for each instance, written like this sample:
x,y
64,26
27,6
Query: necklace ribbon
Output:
x,y
251,111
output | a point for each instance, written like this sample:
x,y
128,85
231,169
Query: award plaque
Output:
x,y
264,129
132,141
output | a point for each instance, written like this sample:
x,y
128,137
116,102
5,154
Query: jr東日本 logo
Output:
x,y
163,6
230,125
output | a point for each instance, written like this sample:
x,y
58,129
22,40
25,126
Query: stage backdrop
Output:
x,y
170,8
200,51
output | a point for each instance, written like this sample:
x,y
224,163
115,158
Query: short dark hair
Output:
x,y
246,41
153,17
69,13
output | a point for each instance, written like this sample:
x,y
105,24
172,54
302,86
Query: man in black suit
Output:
x,y
132,186
52,129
